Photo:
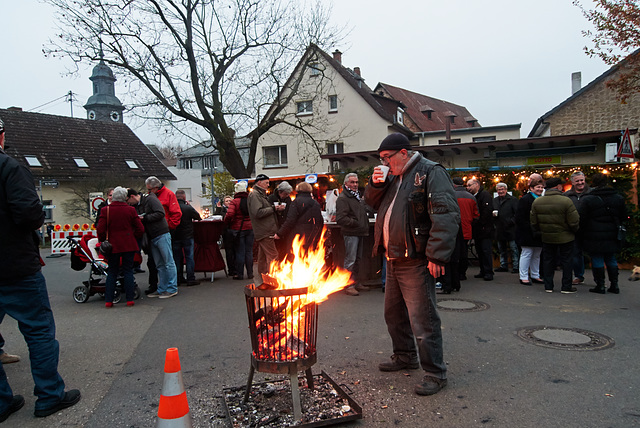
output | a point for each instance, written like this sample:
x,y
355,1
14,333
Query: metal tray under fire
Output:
x,y
270,404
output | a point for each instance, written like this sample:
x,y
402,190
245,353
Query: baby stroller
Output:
x,y
84,251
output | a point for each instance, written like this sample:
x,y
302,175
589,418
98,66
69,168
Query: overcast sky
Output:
x,y
507,61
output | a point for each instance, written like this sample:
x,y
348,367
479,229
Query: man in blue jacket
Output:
x,y
23,290
417,224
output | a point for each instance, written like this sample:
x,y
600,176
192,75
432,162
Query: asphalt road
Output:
x,y
496,379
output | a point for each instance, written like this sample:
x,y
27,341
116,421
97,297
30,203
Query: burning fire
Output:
x,y
308,269
282,321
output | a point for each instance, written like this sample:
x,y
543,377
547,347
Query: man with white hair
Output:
x,y
504,209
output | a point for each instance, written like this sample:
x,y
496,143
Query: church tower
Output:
x,y
103,104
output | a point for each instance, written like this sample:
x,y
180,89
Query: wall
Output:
x,y
595,110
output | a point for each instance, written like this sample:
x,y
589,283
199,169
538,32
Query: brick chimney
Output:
x,y
337,55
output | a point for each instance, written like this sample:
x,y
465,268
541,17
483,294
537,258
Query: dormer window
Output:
x,y
80,163
400,116
33,161
452,119
132,164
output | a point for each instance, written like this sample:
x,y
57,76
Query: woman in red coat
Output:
x,y
120,225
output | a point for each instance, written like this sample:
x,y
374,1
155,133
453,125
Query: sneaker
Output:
x,y
150,291
430,386
438,285
549,291
397,364
167,294
70,398
569,290
501,269
16,404
488,278
8,358
479,275
577,281
351,291
154,294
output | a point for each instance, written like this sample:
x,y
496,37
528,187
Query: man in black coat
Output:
x,y
483,229
504,210
23,290
182,240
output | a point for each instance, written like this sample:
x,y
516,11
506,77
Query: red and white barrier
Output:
x,y
61,245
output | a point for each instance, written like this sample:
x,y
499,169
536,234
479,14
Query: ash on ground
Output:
x,y
270,404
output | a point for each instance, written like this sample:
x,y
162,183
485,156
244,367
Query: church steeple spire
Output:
x,y
103,104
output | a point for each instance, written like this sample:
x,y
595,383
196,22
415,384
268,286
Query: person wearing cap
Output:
x,y
240,227
417,224
23,290
264,221
556,218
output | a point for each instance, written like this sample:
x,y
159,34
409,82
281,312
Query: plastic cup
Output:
x,y
385,171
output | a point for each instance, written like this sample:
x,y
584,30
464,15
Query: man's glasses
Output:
x,y
385,159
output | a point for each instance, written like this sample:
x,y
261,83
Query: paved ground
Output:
x,y
496,379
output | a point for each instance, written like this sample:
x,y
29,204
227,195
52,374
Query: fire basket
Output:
x,y
284,328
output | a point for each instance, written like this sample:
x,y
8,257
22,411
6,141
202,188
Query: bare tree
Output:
x,y
215,64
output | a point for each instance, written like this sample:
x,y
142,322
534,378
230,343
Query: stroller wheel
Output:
x,y
117,296
81,294
136,293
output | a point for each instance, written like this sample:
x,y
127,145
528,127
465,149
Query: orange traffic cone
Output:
x,y
173,411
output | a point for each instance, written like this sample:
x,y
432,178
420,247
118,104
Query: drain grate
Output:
x,y
570,339
461,305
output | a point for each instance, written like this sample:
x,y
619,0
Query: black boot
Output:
x,y
598,277
613,279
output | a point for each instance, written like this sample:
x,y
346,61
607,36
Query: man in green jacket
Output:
x,y
556,218
264,222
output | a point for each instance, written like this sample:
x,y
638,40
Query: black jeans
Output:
x,y
484,247
564,254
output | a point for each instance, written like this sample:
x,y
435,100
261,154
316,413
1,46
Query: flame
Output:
x,y
308,269
283,322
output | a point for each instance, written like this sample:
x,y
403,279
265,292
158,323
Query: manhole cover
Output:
x,y
461,305
572,339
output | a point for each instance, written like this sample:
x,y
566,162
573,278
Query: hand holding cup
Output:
x,y
380,173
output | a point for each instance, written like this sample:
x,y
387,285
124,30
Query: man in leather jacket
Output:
x,y
417,224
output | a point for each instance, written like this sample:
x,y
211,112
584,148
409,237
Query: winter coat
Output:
x,y
351,215
235,217
524,234
304,219
424,218
281,215
20,215
601,212
262,213
468,211
154,221
184,230
577,197
505,223
123,225
170,204
556,217
483,226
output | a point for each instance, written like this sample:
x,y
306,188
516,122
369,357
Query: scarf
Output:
x,y
354,193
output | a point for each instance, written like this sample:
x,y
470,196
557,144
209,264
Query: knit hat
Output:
x,y
553,182
395,141
241,186
261,177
